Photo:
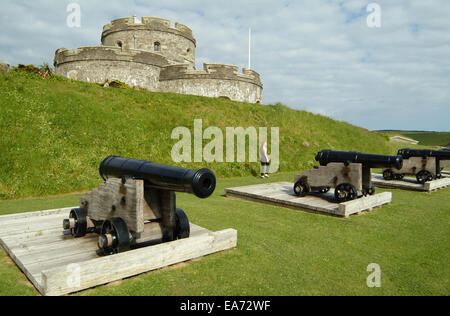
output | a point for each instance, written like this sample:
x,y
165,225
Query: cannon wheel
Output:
x,y
372,189
324,190
301,188
345,192
182,228
388,174
369,191
80,229
117,229
424,176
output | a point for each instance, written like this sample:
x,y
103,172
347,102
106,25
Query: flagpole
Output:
x,y
249,47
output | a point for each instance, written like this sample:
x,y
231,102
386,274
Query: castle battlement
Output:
x,y
210,71
149,24
108,53
152,54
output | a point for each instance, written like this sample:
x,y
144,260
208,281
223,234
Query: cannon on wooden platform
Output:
x,y
425,164
348,172
136,206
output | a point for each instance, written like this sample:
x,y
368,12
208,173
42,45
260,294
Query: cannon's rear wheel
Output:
x,y
345,192
301,188
369,191
324,190
182,228
388,174
114,237
424,176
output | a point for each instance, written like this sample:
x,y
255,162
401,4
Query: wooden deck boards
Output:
x,y
36,243
410,183
281,194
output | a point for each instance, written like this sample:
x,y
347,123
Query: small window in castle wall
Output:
x,y
157,46
120,44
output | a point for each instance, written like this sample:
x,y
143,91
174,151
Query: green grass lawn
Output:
x,y
286,252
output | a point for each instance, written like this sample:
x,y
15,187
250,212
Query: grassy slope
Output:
x,y
286,252
55,133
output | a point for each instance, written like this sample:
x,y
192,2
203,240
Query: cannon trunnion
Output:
x,y
136,206
425,164
348,172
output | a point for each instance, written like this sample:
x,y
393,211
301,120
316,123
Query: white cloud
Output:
x,y
313,55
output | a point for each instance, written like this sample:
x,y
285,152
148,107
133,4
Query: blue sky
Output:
x,y
314,55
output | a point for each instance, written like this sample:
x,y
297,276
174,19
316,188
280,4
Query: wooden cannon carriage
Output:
x,y
136,206
425,164
348,172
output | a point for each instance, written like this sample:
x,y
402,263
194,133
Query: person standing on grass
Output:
x,y
265,161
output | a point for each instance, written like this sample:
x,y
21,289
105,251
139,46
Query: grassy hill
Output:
x,y
55,132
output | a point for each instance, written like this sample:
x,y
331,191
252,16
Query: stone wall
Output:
x,y
98,64
176,44
215,80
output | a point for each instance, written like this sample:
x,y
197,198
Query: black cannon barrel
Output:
x,y
440,154
370,160
201,182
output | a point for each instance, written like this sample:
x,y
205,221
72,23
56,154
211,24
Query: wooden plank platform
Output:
x,y
410,183
59,264
282,194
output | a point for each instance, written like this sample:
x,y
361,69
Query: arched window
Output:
x,y
119,43
157,46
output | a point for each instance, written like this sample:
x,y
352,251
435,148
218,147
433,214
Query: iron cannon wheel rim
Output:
x,y
324,190
371,190
301,189
345,192
388,174
424,176
80,216
117,227
182,228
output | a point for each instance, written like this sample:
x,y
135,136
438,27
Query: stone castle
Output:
x,y
151,54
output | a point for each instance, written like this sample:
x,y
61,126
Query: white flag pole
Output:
x,y
249,47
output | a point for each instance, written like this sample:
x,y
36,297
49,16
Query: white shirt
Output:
x,y
263,153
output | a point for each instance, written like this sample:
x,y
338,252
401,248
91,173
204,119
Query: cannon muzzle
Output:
x,y
201,182
369,160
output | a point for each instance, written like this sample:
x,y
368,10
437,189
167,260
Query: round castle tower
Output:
x,y
151,54
152,35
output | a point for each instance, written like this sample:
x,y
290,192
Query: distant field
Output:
x,y
425,138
